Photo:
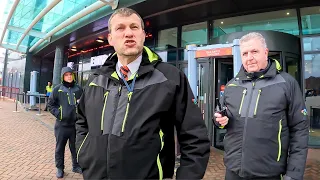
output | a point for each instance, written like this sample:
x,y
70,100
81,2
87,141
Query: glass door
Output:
x,y
223,71
204,95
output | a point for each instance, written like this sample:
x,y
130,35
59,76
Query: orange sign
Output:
x,y
214,52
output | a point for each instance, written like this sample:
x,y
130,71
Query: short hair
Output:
x,y
126,12
254,35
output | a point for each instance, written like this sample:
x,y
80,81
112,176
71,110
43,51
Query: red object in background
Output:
x,y
222,87
147,23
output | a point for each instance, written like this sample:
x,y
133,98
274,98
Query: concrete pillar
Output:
x,y
237,62
58,63
4,72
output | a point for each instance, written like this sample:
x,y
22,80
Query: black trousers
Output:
x,y
233,176
63,134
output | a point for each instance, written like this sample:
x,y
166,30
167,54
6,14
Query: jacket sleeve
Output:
x,y
299,133
192,134
81,123
53,103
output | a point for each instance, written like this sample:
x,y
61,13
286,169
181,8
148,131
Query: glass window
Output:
x,y
167,39
310,20
194,34
311,43
283,21
312,94
168,56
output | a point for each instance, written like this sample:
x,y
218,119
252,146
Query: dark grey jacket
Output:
x,y
63,102
267,133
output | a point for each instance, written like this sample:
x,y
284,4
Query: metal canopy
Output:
x,y
30,23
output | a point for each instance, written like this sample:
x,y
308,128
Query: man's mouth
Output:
x,y
130,42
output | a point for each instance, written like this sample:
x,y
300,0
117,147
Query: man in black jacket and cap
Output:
x,y
63,105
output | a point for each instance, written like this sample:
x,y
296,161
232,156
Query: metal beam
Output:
x,y
93,7
37,19
31,33
21,49
112,3
13,8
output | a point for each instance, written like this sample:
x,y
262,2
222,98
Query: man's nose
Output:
x,y
250,56
128,32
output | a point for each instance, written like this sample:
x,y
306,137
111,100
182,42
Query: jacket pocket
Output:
x,y
104,108
279,141
60,110
126,113
257,102
244,92
235,100
80,148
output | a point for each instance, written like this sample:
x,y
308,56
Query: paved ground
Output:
x,y
27,149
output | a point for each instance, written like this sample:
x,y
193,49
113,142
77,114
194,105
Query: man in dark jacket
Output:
x,y
127,113
62,104
266,121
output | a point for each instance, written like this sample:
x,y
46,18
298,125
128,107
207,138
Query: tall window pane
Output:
x,y
194,34
312,93
167,39
310,19
284,21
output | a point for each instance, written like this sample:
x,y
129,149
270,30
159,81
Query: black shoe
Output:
x,y
59,173
77,170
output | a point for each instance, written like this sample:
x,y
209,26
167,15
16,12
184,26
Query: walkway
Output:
x,y
27,149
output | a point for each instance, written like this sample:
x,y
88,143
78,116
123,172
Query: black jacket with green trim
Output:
x,y
130,135
268,129
62,102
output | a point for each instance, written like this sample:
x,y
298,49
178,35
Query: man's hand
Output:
x,y
223,121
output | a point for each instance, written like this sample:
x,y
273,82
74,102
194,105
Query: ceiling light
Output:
x,y
221,22
288,13
99,40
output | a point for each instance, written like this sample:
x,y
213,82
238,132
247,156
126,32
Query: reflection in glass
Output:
x,y
310,18
167,39
311,43
194,34
283,21
312,94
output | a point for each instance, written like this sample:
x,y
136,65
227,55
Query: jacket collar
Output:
x,y
149,61
273,70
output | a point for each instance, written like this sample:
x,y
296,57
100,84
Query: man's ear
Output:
x,y
110,39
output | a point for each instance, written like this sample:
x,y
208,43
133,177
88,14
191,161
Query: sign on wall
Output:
x,y
214,52
99,60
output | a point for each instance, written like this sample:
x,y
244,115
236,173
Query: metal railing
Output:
x,y
24,99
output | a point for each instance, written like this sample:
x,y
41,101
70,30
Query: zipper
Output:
x,y
279,140
127,111
245,129
256,107
158,157
81,146
68,98
75,102
105,96
60,108
243,95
